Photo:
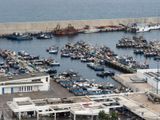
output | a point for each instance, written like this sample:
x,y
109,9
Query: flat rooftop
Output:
x,y
23,76
152,74
126,80
135,102
142,99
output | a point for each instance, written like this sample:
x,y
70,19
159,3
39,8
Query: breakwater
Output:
x,y
6,28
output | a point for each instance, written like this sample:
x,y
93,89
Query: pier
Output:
x,y
119,66
7,28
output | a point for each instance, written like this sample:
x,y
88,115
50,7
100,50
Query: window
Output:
x,y
46,79
24,88
28,88
36,80
19,89
31,88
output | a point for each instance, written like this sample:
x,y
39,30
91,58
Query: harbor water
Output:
x,y
22,10
38,47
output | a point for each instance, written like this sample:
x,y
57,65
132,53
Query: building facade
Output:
x,y
152,76
24,83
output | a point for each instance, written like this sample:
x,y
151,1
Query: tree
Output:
x,y
102,115
114,116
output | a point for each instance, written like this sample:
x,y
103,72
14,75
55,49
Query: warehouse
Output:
x,y
152,76
24,83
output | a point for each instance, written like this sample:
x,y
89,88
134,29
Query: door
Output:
x,y
3,91
12,90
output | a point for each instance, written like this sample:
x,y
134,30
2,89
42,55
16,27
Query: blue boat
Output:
x,y
19,37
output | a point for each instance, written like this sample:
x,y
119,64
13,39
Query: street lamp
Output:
x,y
157,73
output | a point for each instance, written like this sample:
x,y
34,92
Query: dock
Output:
x,y
120,67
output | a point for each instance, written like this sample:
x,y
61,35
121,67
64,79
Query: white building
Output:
x,y
152,76
77,107
24,83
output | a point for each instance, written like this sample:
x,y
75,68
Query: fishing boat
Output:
x,y
55,63
51,71
2,71
157,58
138,51
69,30
19,37
93,91
84,60
65,54
43,36
105,73
96,67
146,28
52,50
150,54
89,29
75,57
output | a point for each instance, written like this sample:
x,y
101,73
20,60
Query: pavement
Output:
x,y
56,91
125,80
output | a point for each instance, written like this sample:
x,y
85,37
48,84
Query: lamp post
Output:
x,y
157,73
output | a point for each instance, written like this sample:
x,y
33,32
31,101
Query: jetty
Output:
x,y
8,28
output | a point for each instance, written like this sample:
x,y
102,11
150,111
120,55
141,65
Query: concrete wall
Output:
x,y
50,25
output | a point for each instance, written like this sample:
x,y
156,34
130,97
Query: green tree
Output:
x,y
102,115
114,116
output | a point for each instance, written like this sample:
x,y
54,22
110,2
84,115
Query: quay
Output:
x,y
8,28
120,67
146,80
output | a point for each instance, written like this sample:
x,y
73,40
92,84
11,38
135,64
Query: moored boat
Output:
x,y
95,67
54,63
105,73
43,36
89,29
69,30
19,37
53,50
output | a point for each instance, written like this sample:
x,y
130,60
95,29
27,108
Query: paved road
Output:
x,y
55,91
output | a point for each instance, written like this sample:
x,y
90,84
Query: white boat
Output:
x,y
53,51
143,29
147,28
91,30
2,72
55,63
